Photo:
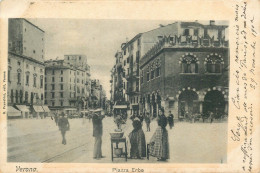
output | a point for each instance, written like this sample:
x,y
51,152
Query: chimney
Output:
x,y
212,22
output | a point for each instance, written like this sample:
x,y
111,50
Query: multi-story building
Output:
x,y
188,72
25,67
67,85
116,81
98,95
132,52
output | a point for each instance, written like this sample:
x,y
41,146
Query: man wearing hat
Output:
x,y
97,133
63,126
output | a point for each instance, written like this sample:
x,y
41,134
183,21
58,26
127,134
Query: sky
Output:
x,y
99,40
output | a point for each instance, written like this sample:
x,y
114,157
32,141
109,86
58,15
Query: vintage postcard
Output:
x,y
129,86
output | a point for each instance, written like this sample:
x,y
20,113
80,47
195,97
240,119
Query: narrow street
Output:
x,y
200,142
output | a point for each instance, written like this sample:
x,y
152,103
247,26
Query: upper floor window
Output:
x,y
41,81
19,76
214,63
34,80
27,78
53,72
142,77
152,72
196,32
148,74
158,68
186,32
189,63
53,86
61,72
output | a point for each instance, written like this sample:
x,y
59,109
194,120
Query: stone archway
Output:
x,y
214,101
187,103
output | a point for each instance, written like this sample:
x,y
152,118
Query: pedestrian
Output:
x,y
147,121
63,126
56,118
141,117
211,116
170,120
97,133
159,144
137,140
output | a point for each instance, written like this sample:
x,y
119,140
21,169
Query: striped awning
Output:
x,y
38,109
23,108
12,112
46,109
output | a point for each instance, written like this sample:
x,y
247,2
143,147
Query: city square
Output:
x,y
186,145
77,95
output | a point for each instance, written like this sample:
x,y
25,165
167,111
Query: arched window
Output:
x,y
214,63
148,74
152,70
158,68
189,64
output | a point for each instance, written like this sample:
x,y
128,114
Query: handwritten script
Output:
x,y
245,82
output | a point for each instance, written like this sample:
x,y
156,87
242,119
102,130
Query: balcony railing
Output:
x,y
183,42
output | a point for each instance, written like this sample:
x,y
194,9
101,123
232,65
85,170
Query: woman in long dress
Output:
x,y
137,140
159,144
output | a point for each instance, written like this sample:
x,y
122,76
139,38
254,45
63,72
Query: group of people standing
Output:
x,y
159,143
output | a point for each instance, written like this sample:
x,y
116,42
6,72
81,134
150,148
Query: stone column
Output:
x,y
201,106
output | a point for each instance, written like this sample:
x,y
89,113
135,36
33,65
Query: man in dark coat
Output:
x,y
63,126
97,133
170,120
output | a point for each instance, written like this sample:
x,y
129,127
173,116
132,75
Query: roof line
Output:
x,y
33,25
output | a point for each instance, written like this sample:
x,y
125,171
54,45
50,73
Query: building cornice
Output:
x,y
26,57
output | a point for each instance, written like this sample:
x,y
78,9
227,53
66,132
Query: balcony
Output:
x,y
132,91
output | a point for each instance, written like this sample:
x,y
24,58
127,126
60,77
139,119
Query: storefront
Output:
x,y
46,111
13,113
38,111
25,111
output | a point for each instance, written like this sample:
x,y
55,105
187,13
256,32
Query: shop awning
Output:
x,y
120,107
12,112
38,109
70,109
22,108
85,111
46,108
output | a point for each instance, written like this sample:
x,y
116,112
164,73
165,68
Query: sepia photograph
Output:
x,y
117,91
129,86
